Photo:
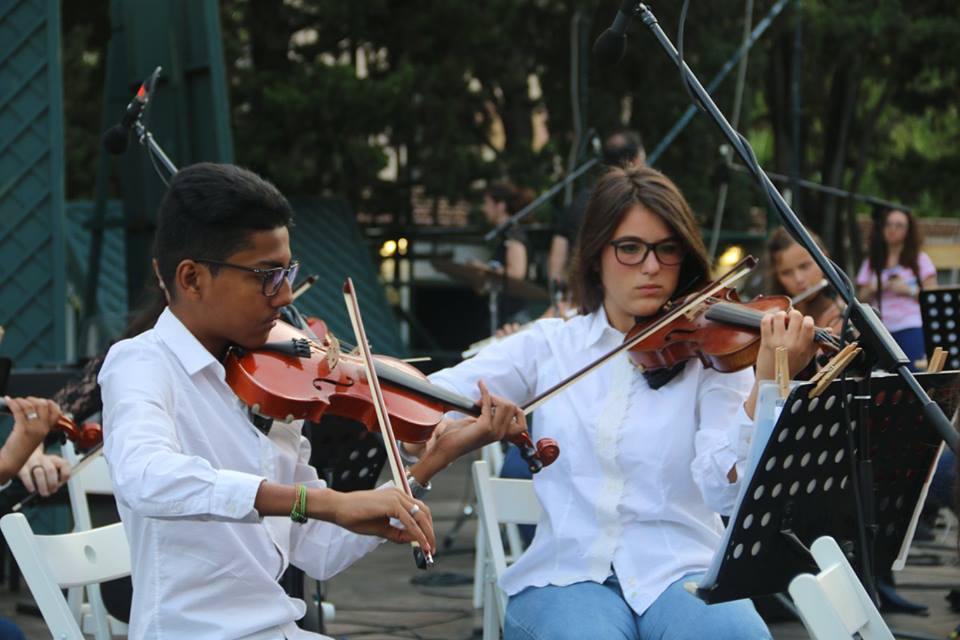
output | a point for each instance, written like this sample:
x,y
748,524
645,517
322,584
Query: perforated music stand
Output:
x,y
345,453
904,450
349,458
940,310
801,488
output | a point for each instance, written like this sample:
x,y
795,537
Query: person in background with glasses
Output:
x,y
214,507
904,270
630,508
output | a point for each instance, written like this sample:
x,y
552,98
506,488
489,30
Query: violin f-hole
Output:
x,y
346,382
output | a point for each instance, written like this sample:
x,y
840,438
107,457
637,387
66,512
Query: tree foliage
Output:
x,y
327,95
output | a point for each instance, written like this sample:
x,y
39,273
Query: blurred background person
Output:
x,y
624,149
511,251
794,273
904,270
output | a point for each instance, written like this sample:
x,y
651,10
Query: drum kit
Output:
x,y
492,280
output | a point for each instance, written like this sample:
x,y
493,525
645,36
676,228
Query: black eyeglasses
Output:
x,y
272,278
631,252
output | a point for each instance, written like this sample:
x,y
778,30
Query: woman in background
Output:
x,y
904,270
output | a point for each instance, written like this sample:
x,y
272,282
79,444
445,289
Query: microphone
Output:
x,y
612,43
116,137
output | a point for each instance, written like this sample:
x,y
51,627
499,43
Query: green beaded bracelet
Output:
x,y
299,512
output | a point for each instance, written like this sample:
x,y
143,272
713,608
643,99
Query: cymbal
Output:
x,y
483,278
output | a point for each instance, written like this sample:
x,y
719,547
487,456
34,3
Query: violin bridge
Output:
x,y
333,351
694,311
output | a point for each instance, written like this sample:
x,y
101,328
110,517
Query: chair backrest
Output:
x,y
93,479
504,501
833,604
52,563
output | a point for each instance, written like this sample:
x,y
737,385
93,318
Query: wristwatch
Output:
x,y
419,491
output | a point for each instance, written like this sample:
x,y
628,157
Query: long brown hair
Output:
x,y
781,240
910,253
615,194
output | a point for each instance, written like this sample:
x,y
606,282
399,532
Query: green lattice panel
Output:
x,y
32,273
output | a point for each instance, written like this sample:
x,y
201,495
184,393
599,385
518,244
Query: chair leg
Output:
x,y
479,562
491,615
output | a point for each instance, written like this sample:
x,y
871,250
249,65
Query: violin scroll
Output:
x,y
537,457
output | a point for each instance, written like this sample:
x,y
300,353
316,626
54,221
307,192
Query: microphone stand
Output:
x,y
873,334
156,153
543,197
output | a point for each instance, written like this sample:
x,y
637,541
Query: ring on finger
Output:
x,y
32,415
415,509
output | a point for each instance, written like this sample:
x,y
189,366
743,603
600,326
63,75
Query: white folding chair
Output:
x,y
493,455
833,604
52,563
499,501
93,479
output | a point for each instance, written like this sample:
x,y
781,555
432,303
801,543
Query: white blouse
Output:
x,y
642,473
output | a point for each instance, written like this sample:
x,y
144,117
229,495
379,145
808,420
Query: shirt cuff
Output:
x,y
234,494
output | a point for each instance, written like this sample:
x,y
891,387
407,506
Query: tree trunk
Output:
x,y
842,105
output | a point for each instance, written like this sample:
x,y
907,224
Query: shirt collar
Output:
x,y
192,355
599,328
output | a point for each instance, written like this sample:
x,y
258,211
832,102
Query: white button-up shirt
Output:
x,y
186,464
642,473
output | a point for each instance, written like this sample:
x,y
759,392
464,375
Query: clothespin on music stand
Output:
x,y
937,360
834,368
782,372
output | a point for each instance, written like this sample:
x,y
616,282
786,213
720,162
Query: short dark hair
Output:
x,y
209,212
616,193
621,148
514,197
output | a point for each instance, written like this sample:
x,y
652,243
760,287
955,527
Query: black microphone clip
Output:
x,y
612,43
115,139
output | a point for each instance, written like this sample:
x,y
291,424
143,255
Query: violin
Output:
x,y
85,436
710,324
299,376
720,331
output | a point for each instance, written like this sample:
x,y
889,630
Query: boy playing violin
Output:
x,y
209,502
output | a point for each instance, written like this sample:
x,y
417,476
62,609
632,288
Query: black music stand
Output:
x,y
5,366
349,458
940,310
802,485
904,450
345,453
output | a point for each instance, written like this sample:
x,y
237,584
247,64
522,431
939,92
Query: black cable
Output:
x,y
684,80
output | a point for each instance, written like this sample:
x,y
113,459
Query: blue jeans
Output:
x,y
911,341
10,631
586,610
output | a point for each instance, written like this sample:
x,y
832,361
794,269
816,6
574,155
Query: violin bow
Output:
x,y
741,269
423,560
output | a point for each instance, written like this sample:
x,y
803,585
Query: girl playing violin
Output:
x,y
630,507
795,274
214,507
